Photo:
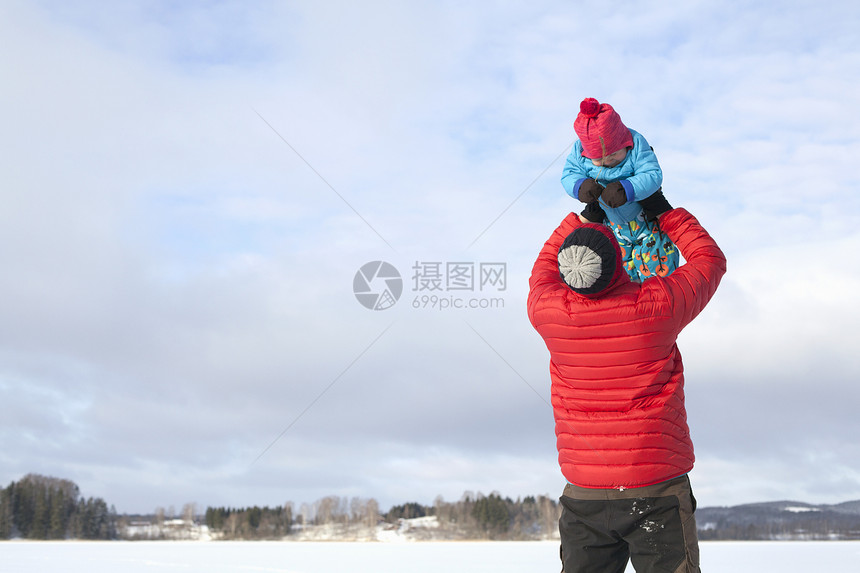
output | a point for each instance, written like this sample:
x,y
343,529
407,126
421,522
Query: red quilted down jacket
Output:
x,y
617,375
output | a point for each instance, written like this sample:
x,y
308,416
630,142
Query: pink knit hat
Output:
x,y
600,129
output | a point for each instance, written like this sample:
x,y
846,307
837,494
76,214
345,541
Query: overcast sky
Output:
x,y
187,191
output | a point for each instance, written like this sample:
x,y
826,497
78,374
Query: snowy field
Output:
x,y
435,557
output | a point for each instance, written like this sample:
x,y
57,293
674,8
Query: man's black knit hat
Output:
x,y
588,259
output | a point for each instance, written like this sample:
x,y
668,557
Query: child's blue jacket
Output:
x,y
639,173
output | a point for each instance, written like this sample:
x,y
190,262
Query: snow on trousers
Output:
x,y
652,526
645,250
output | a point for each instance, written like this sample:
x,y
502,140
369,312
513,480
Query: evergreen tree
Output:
x,y
492,515
409,510
41,507
6,515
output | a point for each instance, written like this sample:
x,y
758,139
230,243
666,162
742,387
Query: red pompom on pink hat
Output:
x,y
600,129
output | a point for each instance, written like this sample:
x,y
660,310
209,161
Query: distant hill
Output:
x,y
780,520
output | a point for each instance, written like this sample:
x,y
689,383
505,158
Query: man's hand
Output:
x,y
593,213
655,205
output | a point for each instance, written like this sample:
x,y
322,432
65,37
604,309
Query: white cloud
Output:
x,y
180,278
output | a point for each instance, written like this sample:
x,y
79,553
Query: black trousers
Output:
x,y
653,527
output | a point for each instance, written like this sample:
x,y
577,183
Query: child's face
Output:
x,y
611,160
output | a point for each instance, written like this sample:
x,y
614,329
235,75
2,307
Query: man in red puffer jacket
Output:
x,y
618,393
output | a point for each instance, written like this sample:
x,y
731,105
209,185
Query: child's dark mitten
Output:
x,y
589,191
654,205
593,212
614,195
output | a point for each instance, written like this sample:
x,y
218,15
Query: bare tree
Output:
x,y
357,507
188,512
159,516
288,516
326,509
371,513
549,512
308,514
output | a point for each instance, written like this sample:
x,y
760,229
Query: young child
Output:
x,y
614,171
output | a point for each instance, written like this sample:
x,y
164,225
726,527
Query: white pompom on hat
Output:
x,y
589,259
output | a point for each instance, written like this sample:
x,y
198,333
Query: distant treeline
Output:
x,y
39,507
473,517
250,523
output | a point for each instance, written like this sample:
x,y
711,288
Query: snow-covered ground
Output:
x,y
372,557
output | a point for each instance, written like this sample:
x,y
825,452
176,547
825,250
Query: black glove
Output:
x,y
654,205
593,212
589,191
614,195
